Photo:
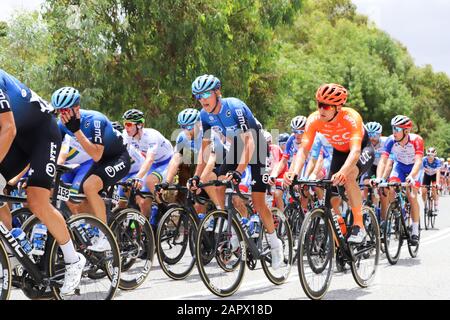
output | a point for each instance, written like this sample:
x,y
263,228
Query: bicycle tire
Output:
x,y
313,219
220,217
394,224
5,274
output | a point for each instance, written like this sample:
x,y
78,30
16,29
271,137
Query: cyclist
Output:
x,y
282,140
408,151
431,175
275,156
445,175
353,153
29,135
156,149
95,134
231,118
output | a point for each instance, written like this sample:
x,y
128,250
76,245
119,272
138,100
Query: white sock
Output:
x,y
70,255
273,240
415,228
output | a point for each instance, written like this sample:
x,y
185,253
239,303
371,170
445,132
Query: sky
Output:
x,y
422,26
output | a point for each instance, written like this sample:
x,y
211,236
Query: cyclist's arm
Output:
x,y
7,132
149,159
438,177
174,164
278,167
318,166
16,179
310,167
95,151
299,160
211,163
64,152
201,161
247,152
417,165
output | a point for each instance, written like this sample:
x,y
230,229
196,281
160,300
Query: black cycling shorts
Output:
x,y
37,142
258,163
365,161
110,170
428,180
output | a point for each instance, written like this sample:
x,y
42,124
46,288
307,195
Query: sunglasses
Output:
x,y
129,124
397,129
374,135
187,126
324,106
298,131
203,95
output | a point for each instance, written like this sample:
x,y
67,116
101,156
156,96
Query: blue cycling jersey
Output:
x,y
234,118
98,129
16,97
321,144
183,142
433,167
291,148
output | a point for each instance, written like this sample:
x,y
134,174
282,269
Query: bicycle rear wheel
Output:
x,y
315,254
5,273
109,261
136,242
367,254
283,231
176,230
222,275
393,233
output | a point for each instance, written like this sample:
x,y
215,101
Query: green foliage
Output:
x,y
271,54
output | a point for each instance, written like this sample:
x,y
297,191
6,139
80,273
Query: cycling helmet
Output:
x,y
117,125
431,152
283,138
188,116
331,94
373,127
402,122
204,83
65,97
298,122
134,115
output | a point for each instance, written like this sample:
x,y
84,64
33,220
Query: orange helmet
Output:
x,y
331,94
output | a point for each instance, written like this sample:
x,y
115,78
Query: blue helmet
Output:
x,y
283,138
373,127
204,83
65,97
188,116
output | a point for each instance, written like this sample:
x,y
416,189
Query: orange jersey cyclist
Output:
x,y
353,153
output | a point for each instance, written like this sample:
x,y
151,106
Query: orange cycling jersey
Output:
x,y
344,131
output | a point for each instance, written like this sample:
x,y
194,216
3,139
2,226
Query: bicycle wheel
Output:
x,y
393,239
413,250
176,230
284,233
5,271
315,254
367,254
229,250
136,242
19,216
427,213
432,214
108,261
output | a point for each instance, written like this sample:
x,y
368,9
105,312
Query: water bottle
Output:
x,y
255,226
245,225
154,215
39,237
21,237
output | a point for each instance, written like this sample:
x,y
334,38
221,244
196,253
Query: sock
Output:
x,y
415,228
357,217
273,240
70,255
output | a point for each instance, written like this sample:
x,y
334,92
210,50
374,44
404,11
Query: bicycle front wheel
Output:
x,y
222,275
5,273
315,254
393,238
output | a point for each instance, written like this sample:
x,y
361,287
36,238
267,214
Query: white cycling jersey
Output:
x,y
152,141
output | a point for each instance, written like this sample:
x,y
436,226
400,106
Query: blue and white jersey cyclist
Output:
x,y
189,142
29,135
156,149
431,174
231,118
95,134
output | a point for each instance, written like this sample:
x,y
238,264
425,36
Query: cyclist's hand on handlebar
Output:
x,y
272,180
192,183
338,178
375,182
137,183
288,178
234,176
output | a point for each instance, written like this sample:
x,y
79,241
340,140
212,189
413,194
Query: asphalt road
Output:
x,y
423,277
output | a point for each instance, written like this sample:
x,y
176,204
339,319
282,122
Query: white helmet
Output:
x,y
267,136
298,122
